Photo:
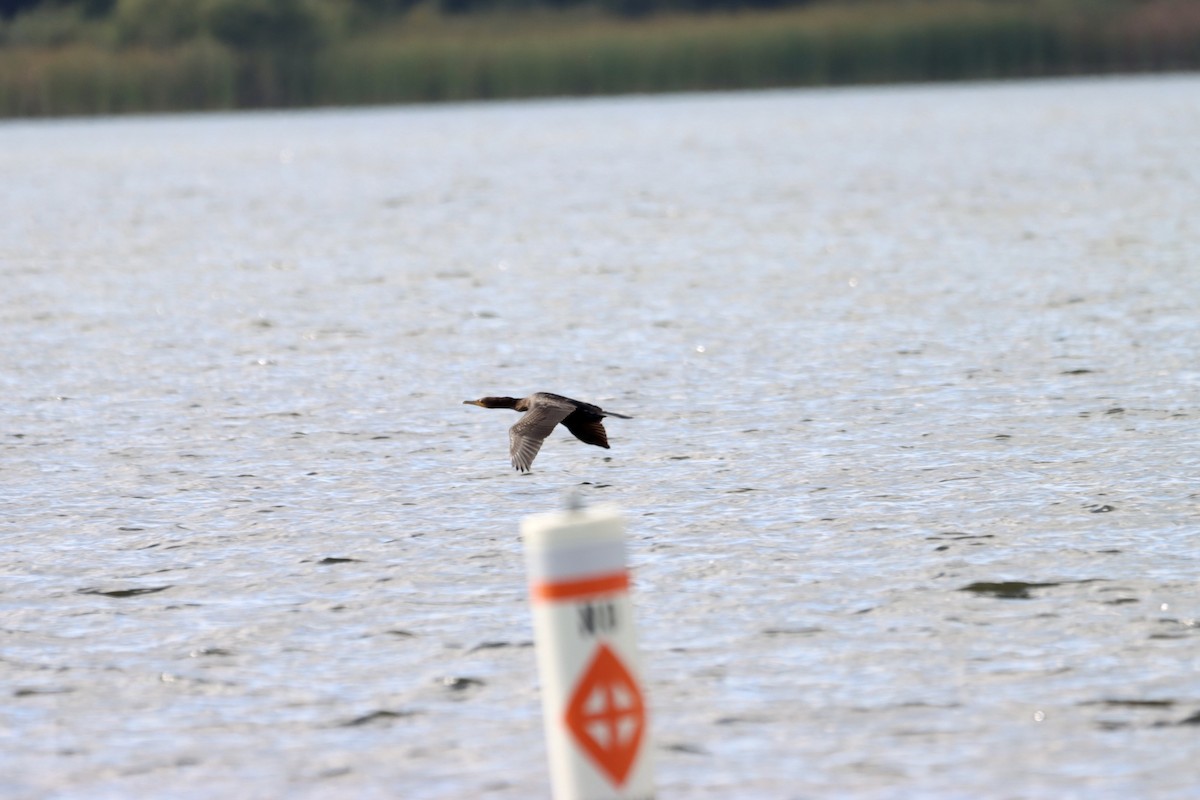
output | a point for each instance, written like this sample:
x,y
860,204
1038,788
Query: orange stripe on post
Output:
x,y
570,590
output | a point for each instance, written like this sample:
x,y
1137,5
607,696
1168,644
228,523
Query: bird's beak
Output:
x,y
472,403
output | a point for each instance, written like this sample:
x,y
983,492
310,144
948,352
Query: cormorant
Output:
x,y
543,411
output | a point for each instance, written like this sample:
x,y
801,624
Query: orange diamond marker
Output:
x,y
606,715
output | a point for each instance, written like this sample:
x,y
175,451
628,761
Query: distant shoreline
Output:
x,y
426,57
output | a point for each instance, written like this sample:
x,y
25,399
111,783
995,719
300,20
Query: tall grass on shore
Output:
x,y
690,53
86,79
801,47
431,58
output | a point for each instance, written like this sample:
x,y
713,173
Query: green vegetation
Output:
x,y
108,56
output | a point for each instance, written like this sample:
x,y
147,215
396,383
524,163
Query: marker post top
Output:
x,y
565,546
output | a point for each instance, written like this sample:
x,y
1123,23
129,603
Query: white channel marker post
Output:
x,y
592,699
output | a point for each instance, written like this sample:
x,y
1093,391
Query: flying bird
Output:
x,y
543,411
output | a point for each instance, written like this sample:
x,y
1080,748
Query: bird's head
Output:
x,y
492,402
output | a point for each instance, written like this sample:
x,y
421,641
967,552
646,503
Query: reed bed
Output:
x,y
87,79
426,58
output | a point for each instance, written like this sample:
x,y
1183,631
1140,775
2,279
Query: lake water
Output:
x,y
912,488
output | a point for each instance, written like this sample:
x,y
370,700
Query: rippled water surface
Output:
x,y
912,488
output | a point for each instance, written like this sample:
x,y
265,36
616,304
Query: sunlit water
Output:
x,y
912,488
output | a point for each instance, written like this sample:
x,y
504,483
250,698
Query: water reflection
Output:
x,y
933,339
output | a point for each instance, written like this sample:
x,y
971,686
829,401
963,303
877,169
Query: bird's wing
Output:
x,y
551,399
526,437
589,430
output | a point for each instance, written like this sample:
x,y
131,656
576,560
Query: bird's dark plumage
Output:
x,y
543,411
